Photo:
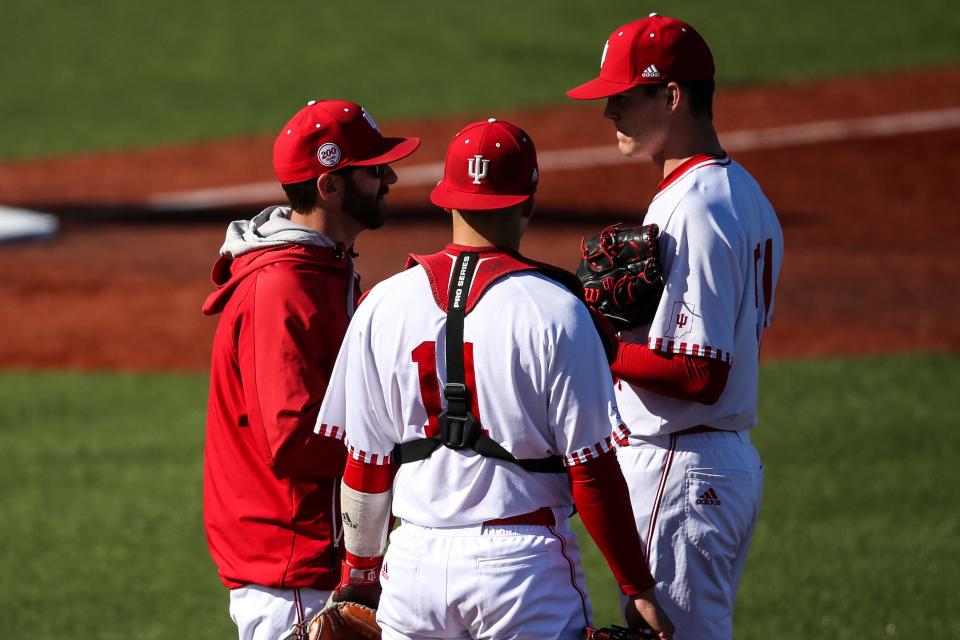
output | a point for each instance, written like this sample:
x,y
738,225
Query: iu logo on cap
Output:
x,y
477,168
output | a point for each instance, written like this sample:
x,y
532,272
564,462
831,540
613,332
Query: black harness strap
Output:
x,y
459,428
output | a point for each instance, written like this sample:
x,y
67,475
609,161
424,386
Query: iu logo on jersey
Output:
x,y
684,319
477,168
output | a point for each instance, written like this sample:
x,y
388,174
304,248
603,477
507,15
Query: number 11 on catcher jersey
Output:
x,y
425,355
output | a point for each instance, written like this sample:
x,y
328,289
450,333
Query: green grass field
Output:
x,y
102,539
112,73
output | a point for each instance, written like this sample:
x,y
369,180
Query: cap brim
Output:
x,y
599,88
447,198
390,150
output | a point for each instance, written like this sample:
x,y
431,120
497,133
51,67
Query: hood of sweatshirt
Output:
x,y
268,238
269,228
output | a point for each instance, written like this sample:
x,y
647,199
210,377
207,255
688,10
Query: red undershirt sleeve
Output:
x,y
367,477
693,378
601,496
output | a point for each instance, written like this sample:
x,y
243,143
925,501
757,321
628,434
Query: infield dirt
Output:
x,y
872,236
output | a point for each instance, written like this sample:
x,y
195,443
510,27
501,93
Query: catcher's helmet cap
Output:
x,y
327,135
491,164
653,50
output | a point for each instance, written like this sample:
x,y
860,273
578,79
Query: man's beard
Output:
x,y
364,207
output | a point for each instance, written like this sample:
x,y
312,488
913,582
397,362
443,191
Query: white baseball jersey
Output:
x,y
721,246
533,360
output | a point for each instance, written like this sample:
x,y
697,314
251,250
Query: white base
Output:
x,y
21,224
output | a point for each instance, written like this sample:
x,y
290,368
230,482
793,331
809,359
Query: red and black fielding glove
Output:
x,y
359,581
622,274
616,632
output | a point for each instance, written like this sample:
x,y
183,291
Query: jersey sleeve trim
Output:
x,y
330,431
369,458
582,456
688,349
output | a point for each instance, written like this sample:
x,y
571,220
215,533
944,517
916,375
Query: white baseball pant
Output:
x,y
504,581
262,613
696,499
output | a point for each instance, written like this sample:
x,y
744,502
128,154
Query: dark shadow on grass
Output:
x,y
136,214
122,214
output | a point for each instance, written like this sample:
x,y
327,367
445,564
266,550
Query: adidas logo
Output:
x,y
651,72
709,497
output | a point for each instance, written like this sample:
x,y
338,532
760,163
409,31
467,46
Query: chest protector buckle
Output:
x,y
459,428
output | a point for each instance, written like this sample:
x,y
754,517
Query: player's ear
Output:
x,y
331,187
672,96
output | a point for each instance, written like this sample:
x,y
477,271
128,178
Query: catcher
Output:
x,y
621,274
479,409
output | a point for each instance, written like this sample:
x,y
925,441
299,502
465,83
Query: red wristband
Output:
x,y
360,571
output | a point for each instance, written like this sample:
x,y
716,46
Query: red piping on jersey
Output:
x,y
573,575
658,499
678,172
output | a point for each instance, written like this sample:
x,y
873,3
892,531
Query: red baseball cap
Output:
x,y
653,50
490,164
327,135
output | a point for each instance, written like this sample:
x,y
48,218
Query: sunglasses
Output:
x,y
377,170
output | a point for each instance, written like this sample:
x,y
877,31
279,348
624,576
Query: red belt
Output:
x,y
542,516
700,428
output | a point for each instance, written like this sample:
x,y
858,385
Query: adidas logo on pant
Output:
x,y
651,72
709,497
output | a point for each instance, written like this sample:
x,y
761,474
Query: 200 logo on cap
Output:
x,y
328,154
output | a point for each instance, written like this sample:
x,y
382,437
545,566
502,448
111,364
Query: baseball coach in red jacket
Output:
x,y
286,289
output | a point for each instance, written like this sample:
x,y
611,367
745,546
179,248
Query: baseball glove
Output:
x,y
616,632
339,621
621,273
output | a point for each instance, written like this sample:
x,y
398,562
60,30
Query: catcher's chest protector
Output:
x,y
459,428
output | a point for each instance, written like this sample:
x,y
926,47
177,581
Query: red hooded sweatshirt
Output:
x,y
271,484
